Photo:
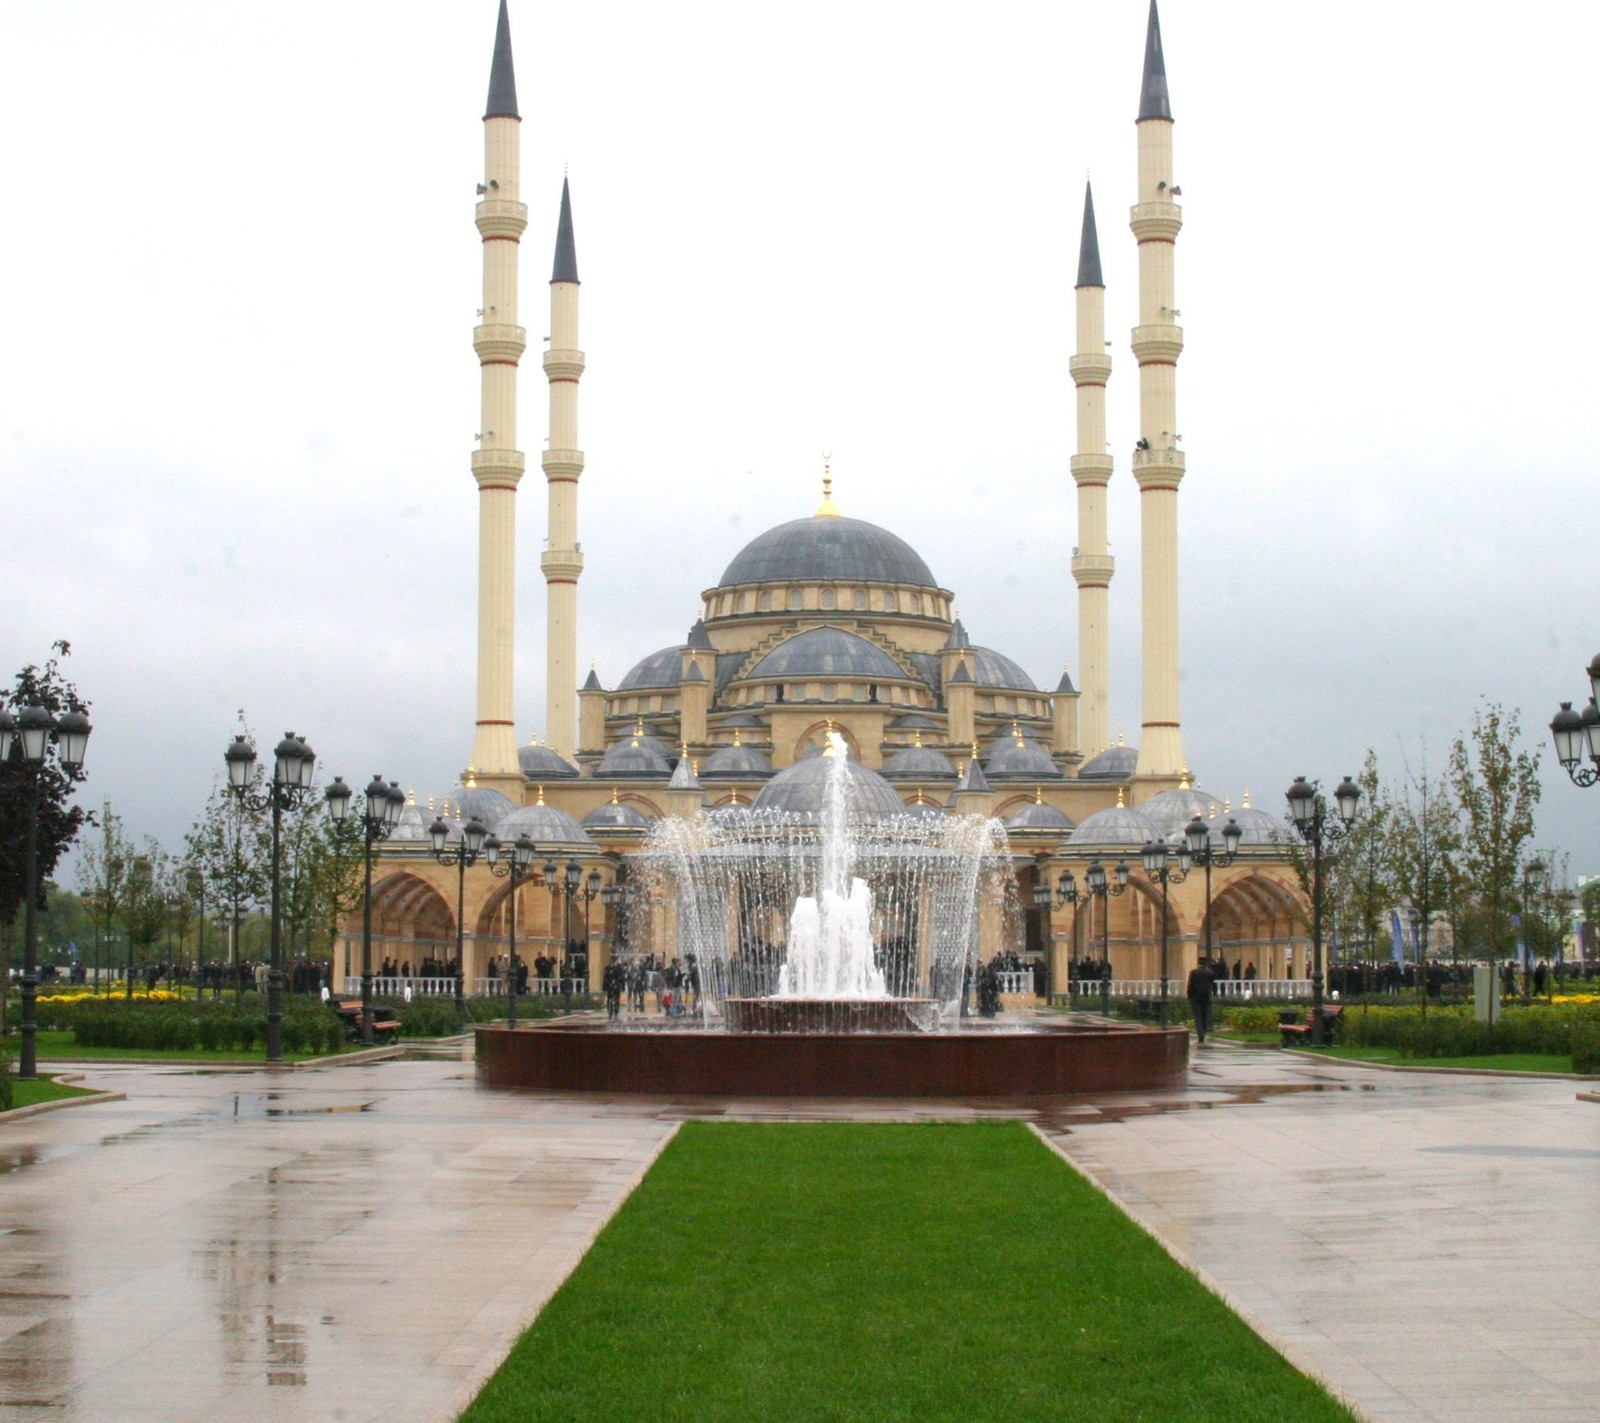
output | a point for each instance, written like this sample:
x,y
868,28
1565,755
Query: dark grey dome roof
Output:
x,y
411,827
1117,826
995,669
822,550
742,719
920,763
1020,759
491,807
827,652
913,721
540,763
545,826
614,815
1115,763
1039,816
634,757
735,763
800,789
1259,828
659,669
1173,810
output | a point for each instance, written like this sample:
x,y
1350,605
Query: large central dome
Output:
x,y
825,549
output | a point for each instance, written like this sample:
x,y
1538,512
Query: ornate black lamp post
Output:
x,y
515,869
293,763
1310,812
563,885
1100,888
1533,887
34,729
1158,865
1577,734
464,856
380,813
1199,848
611,897
591,892
1041,902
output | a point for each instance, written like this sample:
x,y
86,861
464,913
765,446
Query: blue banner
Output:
x,y
1399,937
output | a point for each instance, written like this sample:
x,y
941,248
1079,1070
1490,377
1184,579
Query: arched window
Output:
x,y
766,601
738,603
858,600
794,600
827,598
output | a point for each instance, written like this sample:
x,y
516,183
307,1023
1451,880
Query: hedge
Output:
x,y
175,1027
1453,1032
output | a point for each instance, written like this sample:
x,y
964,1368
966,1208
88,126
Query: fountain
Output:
x,y
836,934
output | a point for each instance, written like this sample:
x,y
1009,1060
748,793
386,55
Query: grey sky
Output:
x,y
237,390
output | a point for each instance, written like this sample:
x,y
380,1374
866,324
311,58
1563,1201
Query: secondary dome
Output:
x,y
545,826
1018,759
827,549
827,652
735,763
995,669
491,807
540,763
614,816
1115,763
635,756
659,669
1118,827
1036,815
1259,829
801,788
920,763
1173,810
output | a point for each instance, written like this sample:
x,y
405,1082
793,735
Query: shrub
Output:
x,y
7,1090
1249,1018
1586,1047
429,1018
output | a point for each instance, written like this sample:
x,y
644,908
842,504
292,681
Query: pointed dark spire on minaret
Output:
x,y
502,77
1089,245
566,268
1153,99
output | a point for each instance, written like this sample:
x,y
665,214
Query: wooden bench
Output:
x,y
385,1026
1294,1028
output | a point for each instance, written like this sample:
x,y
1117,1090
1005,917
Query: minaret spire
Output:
x,y
562,561
1157,461
1092,564
497,464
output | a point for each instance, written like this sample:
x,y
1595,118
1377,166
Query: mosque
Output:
x,y
830,623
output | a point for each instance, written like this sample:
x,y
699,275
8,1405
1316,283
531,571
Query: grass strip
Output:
x,y
852,1271
1491,1062
43,1089
60,1047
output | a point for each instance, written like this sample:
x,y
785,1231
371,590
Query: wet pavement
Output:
x,y
363,1243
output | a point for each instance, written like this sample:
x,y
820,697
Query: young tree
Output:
x,y
146,910
232,846
1425,843
1361,882
1495,786
103,878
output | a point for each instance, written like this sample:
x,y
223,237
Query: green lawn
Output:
x,y
1494,1062
842,1272
59,1047
42,1089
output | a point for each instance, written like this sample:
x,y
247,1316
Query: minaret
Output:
x,y
1157,461
497,464
1092,565
563,464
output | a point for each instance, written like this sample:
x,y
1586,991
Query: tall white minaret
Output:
x,y
1092,565
497,464
562,560
1157,461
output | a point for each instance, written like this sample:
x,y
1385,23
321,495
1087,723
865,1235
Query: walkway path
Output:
x,y
363,1243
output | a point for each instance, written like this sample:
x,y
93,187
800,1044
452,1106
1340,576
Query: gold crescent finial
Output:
x,y
827,509
736,740
540,801
916,739
1038,795
411,795
614,798
1183,783
1120,805
472,778
1245,803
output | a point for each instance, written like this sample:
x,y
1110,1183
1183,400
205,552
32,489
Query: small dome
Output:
x,y
635,756
659,669
540,763
1019,759
489,806
613,816
742,720
1039,816
919,763
412,827
995,669
1118,827
913,721
1259,828
1173,810
735,763
827,652
1115,763
545,826
800,790
923,810
827,549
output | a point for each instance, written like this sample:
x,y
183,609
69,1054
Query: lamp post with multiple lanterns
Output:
x,y
1157,857
1309,810
1097,886
1577,734
515,868
34,729
564,885
464,856
380,813
1199,848
293,765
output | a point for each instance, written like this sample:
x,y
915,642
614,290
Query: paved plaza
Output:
x,y
363,1243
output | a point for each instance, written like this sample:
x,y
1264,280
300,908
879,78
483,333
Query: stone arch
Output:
x,y
1134,921
816,735
1011,805
1260,919
642,803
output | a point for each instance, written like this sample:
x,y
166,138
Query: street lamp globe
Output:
x,y
491,849
1232,834
474,833
1154,855
8,735
1566,729
550,873
1096,875
394,805
439,834
72,739
1302,798
1067,888
33,726
1121,874
1197,834
1347,796
337,797
241,761
591,885
1594,677
574,876
523,850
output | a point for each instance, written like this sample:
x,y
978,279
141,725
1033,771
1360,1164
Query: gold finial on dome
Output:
x,y
614,797
431,805
916,739
1227,804
1038,795
540,801
827,509
1120,741
411,795
1183,781
472,778
736,740
1245,803
1120,805
534,739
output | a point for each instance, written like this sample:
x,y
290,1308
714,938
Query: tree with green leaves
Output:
x,y
1495,785
1361,882
232,847
103,878
1424,845
145,913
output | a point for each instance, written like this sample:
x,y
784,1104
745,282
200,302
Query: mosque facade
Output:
x,y
829,623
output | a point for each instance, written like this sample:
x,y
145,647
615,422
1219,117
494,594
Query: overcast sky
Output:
x,y
238,395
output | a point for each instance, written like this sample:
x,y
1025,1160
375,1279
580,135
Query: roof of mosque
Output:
x,y
1261,829
1173,810
490,806
1115,763
995,669
824,548
660,669
1036,815
735,763
1116,825
801,788
614,815
920,763
637,756
544,825
1019,759
827,652
540,763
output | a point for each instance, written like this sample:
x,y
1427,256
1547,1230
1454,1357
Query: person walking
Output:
x,y
1198,990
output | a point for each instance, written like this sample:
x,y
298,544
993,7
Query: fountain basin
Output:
x,y
830,1015
1047,1061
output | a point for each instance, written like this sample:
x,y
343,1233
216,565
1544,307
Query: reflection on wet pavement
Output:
x,y
365,1242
